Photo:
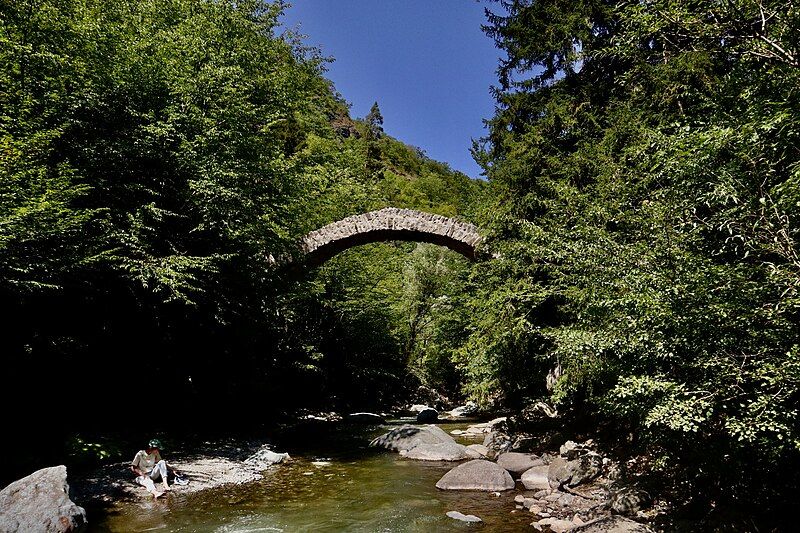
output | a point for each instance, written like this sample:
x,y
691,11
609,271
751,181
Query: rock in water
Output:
x,y
264,458
465,410
517,463
406,437
40,502
535,478
427,443
443,451
427,416
463,517
477,474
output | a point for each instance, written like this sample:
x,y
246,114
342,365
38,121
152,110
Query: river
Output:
x,y
335,482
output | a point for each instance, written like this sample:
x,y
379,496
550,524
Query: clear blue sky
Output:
x,y
426,62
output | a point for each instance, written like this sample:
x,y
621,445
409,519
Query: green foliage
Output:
x,y
153,155
645,160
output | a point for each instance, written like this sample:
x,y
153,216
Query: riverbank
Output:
x,y
221,464
336,481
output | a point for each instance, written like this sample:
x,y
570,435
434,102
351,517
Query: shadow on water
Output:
x,y
335,482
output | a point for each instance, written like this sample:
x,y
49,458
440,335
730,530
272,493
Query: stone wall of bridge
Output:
x,y
388,224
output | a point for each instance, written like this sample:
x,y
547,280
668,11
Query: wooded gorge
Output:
x,y
640,212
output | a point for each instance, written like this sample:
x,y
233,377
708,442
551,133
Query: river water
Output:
x,y
335,482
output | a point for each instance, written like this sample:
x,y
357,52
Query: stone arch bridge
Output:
x,y
390,224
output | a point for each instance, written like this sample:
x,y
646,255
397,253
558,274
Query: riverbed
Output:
x,y
334,482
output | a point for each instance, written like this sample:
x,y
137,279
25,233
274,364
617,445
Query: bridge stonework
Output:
x,y
390,224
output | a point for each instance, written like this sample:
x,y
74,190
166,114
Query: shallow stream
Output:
x,y
337,483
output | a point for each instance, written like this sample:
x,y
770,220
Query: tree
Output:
x,y
644,160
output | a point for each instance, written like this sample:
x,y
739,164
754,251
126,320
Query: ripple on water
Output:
x,y
359,490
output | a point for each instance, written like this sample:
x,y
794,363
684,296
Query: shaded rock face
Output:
x,y
574,472
40,503
477,474
428,415
427,443
629,501
517,463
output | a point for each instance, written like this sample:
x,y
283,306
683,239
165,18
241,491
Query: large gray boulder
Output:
x,y
477,451
427,443
536,478
574,472
517,463
477,474
443,451
467,409
40,503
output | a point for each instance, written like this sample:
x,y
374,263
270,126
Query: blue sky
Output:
x,y
426,62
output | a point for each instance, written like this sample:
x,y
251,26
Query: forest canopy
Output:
x,y
641,209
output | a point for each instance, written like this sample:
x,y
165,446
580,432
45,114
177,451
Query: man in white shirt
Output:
x,y
149,466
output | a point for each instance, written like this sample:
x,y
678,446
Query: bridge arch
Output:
x,y
390,224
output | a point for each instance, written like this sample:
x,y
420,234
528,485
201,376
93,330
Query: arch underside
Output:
x,y
325,252
390,224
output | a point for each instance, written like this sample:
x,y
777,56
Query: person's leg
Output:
x,y
147,483
160,471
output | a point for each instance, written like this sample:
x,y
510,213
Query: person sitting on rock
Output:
x,y
149,466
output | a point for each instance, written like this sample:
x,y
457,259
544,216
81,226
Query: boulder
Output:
x,y
426,416
554,524
575,472
571,450
629,501
442,451
498,442
407,437
365,418
416,408
536,478
477,474
467,409
463,517
477,451
427,443
40,502
517,463
264,458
